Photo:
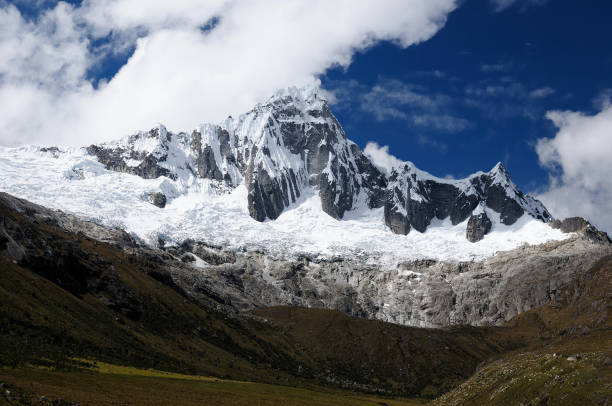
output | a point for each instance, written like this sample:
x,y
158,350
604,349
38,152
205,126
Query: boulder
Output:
x,y
478,226
157,199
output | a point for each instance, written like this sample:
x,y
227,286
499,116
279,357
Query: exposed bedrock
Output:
x,y
157,199
477,227
578,224
416,198
294,141
423,293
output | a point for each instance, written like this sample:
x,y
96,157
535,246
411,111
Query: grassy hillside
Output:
x,y
68,296
406,360
112,385
569,361
65,297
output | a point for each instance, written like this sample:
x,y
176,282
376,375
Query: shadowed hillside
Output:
x,y
570,359
67,296
73,309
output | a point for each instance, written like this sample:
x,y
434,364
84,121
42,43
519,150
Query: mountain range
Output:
x,y
293,142
270,248
282,178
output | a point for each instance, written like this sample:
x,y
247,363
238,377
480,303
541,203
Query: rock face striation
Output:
x,y
293,142
423,293
417,198
277,149
478,225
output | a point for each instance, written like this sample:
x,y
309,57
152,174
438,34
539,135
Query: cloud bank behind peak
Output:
x,y
186,62
578,158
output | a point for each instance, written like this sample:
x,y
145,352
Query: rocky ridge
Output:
x,y
424,293
293,142
277,149
417,198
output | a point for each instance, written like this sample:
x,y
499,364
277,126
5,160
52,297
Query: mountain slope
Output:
x,y
66,295
570,360
282,178
424,293
276,150
292,141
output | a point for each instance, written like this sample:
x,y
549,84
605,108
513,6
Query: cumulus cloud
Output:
x,y
192,61
381,158
579,160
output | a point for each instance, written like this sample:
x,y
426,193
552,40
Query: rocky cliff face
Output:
x,y
417,198
293,142
478,225
277,149
424,293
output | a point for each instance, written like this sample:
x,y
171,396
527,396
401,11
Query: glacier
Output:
x,y
282,179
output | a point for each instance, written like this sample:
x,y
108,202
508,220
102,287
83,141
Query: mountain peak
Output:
x,y
310,96
499,167
293,143
499,171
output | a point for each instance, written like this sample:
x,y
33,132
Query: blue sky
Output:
x,y
499,71
453,85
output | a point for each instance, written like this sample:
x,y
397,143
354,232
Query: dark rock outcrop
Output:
x,y
157,199
580,225
416,198
115,158
397,221
268,196
206,165
292,142
570,224
477,227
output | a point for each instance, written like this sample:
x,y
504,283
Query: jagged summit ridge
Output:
x,y
277,149
418,197
292,142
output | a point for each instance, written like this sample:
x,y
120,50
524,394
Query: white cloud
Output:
x,y
579,159
51,53
442,122
381,157
122,15
393,99
180,74
500,5
542,92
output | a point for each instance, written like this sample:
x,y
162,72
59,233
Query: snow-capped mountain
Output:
x,y
282,177
417,198
293,141
276,150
